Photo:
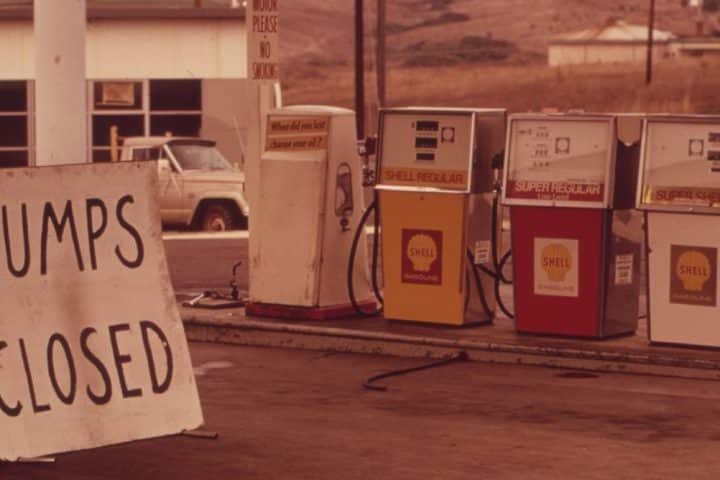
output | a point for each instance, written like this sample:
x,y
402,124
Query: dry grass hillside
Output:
x,y
324,29
487,53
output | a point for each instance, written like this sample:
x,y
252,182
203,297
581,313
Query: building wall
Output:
x,y
225,116
145,77
566,55
154,48
17,51
598,53
166,49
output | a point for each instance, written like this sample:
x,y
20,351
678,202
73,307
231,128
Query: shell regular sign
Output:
x,y
92,348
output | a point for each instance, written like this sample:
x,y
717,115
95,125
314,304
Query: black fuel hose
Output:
x,y
351,262
494,240
461,356
498,264
499,299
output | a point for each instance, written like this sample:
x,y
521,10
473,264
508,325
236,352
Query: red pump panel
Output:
x,y
558,257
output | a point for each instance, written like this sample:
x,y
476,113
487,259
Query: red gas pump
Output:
x,y
576,240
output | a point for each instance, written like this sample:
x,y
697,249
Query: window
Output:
x,y
175,107
177,125
13,97
147,153
14,127
192,155
116,103
128,126
143,108
175,95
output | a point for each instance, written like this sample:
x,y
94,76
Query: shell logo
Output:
x,y
693,269
556,261
422,252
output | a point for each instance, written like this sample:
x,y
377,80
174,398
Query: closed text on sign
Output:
x,y
92,349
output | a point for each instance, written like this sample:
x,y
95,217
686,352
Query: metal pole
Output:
x,y
651,27
381,53
359,70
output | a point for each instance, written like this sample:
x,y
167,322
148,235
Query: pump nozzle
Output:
x,y
367,147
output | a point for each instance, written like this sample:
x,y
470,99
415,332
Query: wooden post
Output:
x,y
381,12
359,70
651,27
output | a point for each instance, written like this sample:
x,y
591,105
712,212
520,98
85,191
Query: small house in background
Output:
x,y
696,46
614,42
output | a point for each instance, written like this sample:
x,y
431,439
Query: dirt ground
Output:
x,y
295,414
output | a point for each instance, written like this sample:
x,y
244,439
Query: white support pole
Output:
x,y
260,98
60,84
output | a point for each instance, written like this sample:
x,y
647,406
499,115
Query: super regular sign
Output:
x,y
92,348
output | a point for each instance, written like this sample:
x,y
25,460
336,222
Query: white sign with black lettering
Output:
x,y
92,348
263,47
624,269
482,252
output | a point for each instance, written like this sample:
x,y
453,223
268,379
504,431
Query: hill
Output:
x,y
487,53
321,31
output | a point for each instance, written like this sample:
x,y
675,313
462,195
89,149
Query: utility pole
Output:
x,y
359,70
380,53
651,27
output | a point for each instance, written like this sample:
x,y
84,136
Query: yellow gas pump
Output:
x,y
435,194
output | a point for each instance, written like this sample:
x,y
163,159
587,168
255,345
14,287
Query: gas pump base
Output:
x,y
437,286
294,312
592,289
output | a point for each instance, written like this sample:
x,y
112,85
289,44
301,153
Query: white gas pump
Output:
x,y
679,190
310,194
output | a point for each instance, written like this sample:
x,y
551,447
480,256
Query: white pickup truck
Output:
x,y
199,188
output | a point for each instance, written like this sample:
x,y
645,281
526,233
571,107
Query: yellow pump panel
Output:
x,y
423,257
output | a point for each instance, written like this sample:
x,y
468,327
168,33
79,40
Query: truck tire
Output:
x,y
217,217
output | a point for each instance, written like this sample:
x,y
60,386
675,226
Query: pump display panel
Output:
x,y
680,164
559,161
423,148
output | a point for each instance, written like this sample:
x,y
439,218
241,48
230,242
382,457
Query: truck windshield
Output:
x,y
193,156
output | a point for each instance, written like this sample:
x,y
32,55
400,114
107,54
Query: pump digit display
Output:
x,y
427,152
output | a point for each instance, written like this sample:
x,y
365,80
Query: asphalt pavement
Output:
x,y
290,414
204,261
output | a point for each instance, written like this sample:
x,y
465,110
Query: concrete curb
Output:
x,y
283,335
